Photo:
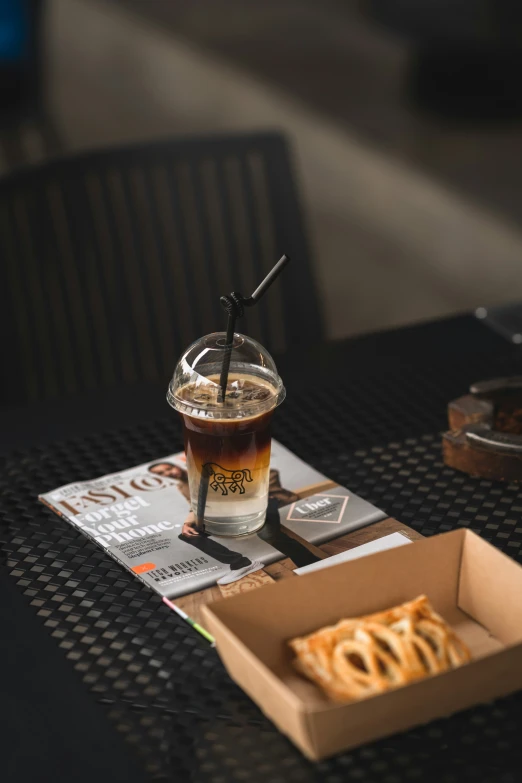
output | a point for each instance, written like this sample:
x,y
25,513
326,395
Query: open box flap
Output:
x,y
489,589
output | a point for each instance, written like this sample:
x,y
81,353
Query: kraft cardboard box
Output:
x,y
476,588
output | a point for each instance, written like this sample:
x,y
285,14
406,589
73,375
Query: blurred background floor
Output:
x,y
410,216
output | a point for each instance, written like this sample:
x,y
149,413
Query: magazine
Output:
x,y
140,517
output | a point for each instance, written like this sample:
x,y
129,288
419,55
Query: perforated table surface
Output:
x,y
368,413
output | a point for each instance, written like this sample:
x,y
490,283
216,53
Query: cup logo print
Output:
x,y
225,480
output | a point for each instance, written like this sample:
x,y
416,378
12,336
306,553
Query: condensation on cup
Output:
x,y
227,443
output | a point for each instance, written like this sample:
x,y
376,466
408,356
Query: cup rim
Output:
x,y
249,410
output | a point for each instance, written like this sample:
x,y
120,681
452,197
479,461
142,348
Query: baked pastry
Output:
x,y
371,654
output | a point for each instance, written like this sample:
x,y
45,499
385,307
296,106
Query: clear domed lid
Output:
x,y
253,387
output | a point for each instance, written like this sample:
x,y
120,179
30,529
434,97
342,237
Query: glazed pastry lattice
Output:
x,y
371,654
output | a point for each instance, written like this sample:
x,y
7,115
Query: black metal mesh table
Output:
x,y
374,430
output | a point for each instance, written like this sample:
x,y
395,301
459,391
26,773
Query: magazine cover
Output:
x,y
141,517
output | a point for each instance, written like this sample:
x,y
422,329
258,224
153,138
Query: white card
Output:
x,y
379,545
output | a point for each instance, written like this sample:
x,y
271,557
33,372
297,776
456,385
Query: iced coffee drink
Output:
x,y
227,441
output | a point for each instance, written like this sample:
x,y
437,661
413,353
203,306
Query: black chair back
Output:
x,y
114,261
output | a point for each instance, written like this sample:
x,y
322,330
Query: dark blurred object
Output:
x,y
468,55
485,430
114,261
22,82
506,320
20,56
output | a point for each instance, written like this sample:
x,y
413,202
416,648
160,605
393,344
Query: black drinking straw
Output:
x,y
234,304
202,498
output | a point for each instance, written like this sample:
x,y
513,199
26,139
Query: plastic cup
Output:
x,y
227,443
